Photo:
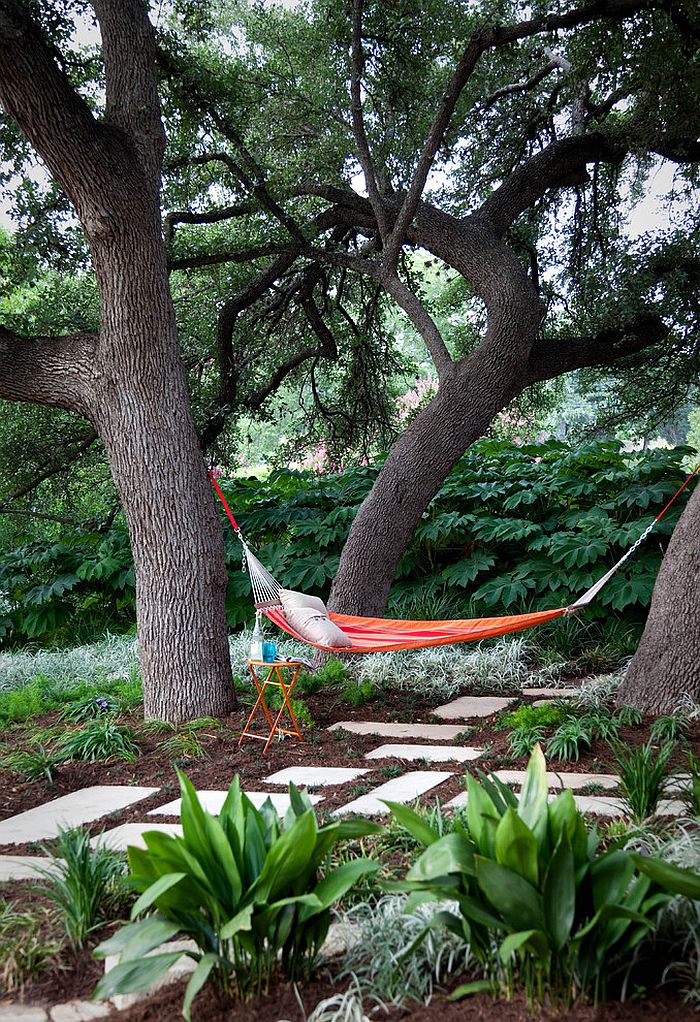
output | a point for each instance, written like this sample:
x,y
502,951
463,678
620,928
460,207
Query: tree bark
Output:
x,y
666,667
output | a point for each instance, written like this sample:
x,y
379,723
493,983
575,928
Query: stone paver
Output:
x,y
553,693
562,779
472,706
23,867
21,1013
80,1011
72,810
401,789
180,969
426,732
212,801
314,777
432,753
119,838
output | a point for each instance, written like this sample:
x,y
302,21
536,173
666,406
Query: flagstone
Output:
x,y
427,732
119,838
212,801
314,777
80,1011
472,706
400,789
83,806
561,779
553,693
22,1013
24,867
432,753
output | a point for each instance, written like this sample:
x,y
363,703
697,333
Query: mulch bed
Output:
x,y
223,758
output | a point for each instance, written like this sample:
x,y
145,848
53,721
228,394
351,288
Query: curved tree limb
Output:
x,y
53,371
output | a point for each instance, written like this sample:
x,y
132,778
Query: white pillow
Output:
x,y
316,627
290,598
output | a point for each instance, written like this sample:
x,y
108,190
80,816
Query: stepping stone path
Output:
x,y
22,867
119,838
472,706
596,805
563,779
72,810
552,693
314,777
428,732
401,789
212,801
432,753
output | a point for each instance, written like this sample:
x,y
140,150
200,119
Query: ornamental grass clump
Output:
x,y
539,901
244,886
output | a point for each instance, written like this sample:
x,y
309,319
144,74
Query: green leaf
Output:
x,y
482,817
241,921
667,875
517,901
135,977
450,854
516,846
513,943
136,939
336,884
559,893
197,980
533,797
477,986
152,893
412,822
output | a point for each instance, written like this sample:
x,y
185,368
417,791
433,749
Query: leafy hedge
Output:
x,y
514,528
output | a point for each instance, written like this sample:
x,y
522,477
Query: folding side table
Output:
x,y
273,678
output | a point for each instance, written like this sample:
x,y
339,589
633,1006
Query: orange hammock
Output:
x,y
380,634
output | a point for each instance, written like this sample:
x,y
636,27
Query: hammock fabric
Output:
x,y
380,634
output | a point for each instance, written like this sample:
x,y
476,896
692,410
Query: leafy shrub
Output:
x,y
629,716
243,886
568,740
515,512
89,707
85,882
643,771
672,728
35,764
531,883
102,739
548,715
523,739
358,693
24,950
690,793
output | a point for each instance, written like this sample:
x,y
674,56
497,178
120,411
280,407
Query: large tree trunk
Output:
x,y
133,386
143,416
666,666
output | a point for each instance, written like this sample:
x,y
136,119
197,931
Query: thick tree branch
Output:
x,y
129,56
52,371
358,121
552,357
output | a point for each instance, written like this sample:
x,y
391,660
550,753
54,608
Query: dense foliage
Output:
x,y
515,527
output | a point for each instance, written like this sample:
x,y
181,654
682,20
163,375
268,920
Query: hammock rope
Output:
x,y
373,635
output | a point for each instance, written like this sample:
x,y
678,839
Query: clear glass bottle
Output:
x,y
256,642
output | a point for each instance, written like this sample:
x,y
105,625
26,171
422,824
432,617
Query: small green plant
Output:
x,y
24,950
101,739
530,716
629,716
690,792
184,745
85,882
569,739
89,707
530,884
37,764
601,724
389,772
524,738
244,886
643,770
672,728
358,693
301,711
